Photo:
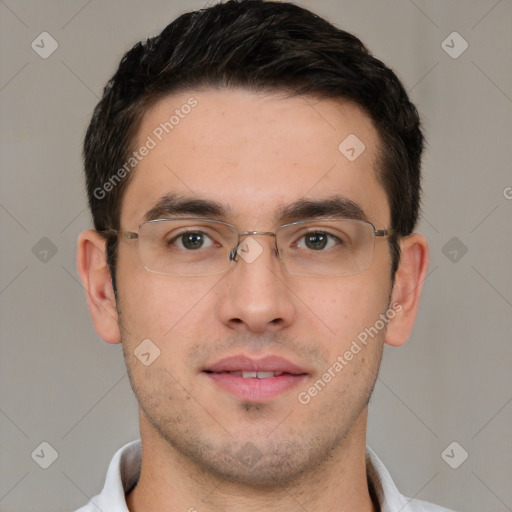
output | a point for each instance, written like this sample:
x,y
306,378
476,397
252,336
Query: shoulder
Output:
x,y
122,475
386,492
423,506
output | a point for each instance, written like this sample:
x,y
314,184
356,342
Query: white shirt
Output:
x,y
124,470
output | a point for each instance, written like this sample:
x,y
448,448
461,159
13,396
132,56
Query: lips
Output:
x,y
255,380
243,363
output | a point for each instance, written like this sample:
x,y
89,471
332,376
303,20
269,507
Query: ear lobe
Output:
x,y
92,266
407,288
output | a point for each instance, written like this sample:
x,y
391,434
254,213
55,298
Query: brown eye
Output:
x,y
192,241
317,241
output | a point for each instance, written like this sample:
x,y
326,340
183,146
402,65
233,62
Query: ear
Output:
x,y
406,293
92,266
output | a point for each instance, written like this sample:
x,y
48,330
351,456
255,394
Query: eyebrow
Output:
x,y
171,205
334,206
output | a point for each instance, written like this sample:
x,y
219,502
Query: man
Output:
x,y
254,177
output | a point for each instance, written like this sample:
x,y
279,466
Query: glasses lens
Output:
x,y
326,247
186,247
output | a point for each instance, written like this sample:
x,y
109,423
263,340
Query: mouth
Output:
x,y
255,380
254,375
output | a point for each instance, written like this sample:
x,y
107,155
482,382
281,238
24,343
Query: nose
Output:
x,y
255,295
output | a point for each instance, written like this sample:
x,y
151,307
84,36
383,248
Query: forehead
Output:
x,y
254,154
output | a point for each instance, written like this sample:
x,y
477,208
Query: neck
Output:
x,y
172,482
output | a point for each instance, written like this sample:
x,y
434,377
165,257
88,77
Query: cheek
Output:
x,y
343,307
158,307
174,313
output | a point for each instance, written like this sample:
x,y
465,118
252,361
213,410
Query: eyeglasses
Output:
x,y
204,247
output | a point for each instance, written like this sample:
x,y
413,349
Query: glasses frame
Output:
x,y
134,235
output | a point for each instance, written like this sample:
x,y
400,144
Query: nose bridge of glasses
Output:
x,y
242,234
250,233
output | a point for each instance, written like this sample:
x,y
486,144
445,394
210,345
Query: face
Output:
x,y
253,155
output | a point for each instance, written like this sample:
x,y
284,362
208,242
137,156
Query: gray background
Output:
x,y
452,382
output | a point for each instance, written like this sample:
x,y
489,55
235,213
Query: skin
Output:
x,y
252,153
